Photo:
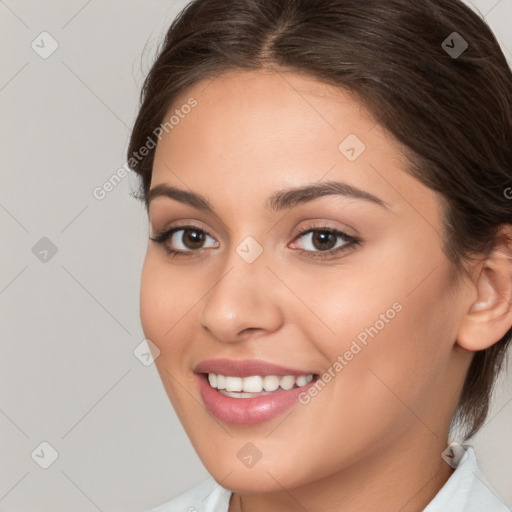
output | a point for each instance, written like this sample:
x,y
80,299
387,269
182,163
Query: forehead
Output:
x,y
278,94
253,132
270,83
262,115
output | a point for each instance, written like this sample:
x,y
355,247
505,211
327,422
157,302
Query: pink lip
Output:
x,y
246,368
247,411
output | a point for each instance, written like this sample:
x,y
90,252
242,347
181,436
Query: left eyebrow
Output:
x,y
280,200
284,199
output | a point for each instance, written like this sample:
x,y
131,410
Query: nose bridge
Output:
x,y
241,298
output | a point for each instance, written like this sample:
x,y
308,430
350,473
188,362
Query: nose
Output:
x,y
243,299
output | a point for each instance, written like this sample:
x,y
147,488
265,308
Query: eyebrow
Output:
x,y
280,200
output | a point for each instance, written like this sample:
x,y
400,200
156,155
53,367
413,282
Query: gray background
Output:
x,y
70,320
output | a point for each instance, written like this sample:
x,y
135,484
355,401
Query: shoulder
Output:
x,y
467,490
206,496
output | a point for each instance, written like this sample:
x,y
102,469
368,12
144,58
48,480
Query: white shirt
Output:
x,y
467,490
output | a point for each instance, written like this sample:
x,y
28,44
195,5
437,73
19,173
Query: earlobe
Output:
x,y
489,315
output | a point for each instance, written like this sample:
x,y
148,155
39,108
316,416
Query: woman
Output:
x,y
328,281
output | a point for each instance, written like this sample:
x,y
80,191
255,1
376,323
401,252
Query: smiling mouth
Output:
x,y
256,385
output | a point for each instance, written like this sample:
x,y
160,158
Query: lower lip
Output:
x,y
248,411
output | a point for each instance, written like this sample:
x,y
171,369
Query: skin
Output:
x,y
372,439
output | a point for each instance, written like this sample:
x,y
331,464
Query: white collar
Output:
x,y
467,489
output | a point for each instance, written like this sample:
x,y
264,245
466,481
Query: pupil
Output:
x,y
322,237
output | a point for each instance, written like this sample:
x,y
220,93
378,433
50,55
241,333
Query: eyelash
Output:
x,y
162,237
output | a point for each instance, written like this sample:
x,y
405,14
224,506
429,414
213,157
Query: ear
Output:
x,y
489,316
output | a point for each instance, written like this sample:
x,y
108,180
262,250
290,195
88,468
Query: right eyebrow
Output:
x,y
191,198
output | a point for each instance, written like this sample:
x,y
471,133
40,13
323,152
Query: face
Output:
x,y
339,294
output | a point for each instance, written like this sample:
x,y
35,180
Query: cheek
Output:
x,y
396,290
152,301
167,296
382,322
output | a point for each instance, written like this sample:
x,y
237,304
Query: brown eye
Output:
x,y
323,240
192,238
184,240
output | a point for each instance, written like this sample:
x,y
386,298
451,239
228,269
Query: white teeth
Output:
x,y
233,384
287,382
300,381
256,383
221,381
270,382
304,379
253,384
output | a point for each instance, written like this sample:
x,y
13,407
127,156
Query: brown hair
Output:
x,y
453,113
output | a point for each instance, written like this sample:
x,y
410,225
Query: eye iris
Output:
x,y
323,237
196,238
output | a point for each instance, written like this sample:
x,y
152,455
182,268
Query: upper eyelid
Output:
x,y
318,223
211,218
224,228
309,229
184,224
301,232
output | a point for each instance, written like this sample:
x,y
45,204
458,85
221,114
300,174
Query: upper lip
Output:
x,y
246,368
